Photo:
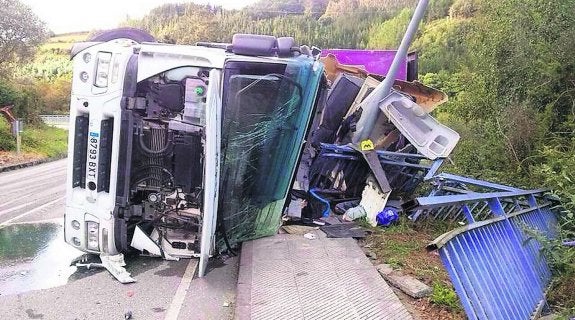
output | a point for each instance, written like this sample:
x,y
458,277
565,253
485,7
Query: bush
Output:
x,y
48,141
26,99
7,141
556,168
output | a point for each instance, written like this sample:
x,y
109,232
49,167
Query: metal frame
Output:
x,y
464,199
404,170
494,261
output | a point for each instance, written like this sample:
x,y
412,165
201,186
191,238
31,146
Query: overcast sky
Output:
x,y
80,15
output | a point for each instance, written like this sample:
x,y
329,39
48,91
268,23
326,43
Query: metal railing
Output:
x,y
55,120
341,168
442,203
494,261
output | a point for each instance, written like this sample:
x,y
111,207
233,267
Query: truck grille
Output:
x,y
105,154
80,150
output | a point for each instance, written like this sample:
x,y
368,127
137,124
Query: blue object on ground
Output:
x,y
326,210
387,216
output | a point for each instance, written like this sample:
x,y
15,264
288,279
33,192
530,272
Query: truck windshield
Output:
x,y
262,118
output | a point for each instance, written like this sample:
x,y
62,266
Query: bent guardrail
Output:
x,y
494,261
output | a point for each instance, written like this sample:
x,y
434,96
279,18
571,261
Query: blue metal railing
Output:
x,y
342,168
494,262
450,191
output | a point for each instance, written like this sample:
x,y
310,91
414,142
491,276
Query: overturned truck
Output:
x,y
181,151
163,137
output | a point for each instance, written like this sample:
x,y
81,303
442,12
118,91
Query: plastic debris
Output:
x,y
115,265
310,236
387,216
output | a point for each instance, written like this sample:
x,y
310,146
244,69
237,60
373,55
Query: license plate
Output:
x,y
93,143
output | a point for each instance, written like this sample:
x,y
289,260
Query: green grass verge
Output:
x,y
45,140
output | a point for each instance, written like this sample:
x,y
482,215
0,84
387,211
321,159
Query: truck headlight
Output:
x,y
103,60
92,235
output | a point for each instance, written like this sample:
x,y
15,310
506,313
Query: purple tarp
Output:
x,y
374,61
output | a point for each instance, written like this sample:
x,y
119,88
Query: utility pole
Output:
x,y
370,112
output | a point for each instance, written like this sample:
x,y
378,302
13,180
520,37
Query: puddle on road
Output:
x,y
34,256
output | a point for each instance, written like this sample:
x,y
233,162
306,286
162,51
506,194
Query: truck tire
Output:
x,y
133,34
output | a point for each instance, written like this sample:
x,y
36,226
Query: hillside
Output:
x,y
324,23
63,42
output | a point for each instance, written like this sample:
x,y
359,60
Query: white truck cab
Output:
x,y
163,137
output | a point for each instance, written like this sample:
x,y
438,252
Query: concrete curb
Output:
x,y
31,163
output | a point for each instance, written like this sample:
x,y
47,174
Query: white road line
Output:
x,y
7,222
18,207
9,202
178,300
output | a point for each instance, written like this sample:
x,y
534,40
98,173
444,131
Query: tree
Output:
x,y
388,34
20,32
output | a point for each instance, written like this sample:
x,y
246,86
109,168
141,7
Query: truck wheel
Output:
x,y
133,34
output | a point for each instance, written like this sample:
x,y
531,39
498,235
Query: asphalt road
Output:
x,y
33,194
37,283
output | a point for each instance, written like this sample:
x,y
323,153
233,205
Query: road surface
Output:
x,y
36,281
33,194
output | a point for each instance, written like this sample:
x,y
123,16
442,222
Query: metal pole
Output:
x,y
18,129
18,142
371,107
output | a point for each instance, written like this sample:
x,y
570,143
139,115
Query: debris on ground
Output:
x,y
344,230
115,265
310,236
371,255
298,229
408,284
384,269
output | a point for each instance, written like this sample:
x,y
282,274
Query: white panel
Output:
x,y
211,170
157,58
431,138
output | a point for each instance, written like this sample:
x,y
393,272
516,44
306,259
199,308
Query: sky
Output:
x,y
63,16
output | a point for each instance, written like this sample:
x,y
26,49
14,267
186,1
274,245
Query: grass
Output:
x,y
445,296
69,37
63,41
403,246
46,141
37,142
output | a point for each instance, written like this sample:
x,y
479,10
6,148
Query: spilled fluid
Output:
x,y
33,257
